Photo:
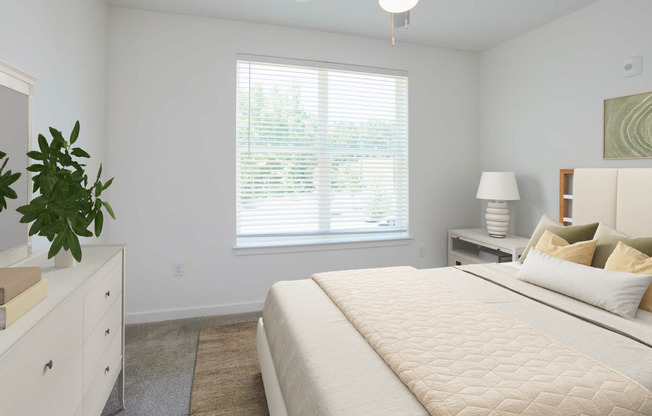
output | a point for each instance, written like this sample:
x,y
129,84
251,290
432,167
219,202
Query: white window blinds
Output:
x,y
322,152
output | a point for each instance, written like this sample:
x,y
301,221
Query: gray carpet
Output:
x,y
159,365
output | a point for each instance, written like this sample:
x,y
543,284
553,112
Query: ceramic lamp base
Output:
x,y
497,217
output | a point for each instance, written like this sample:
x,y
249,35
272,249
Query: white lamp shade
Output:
x,y
498,186
397,6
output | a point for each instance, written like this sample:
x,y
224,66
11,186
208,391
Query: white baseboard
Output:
x,y
195,312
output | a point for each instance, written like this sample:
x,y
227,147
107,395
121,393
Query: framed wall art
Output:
x,y
628,127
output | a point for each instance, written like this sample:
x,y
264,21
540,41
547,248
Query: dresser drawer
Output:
x,y
100,298
103,379
26,375
65,398
98,342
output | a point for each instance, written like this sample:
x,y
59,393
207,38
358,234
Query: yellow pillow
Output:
x,y
580,252
627,259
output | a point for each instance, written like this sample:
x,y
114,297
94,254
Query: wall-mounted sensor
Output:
x,y
633,66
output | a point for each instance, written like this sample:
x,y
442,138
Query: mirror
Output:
x,y
15,140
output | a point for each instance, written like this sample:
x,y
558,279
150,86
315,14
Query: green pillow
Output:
x,y
609,237
572,233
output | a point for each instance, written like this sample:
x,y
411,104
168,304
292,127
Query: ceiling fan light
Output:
x,y
397,6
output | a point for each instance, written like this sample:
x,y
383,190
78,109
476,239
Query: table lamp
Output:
x,y
498,187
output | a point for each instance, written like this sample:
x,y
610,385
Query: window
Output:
x,y
322,152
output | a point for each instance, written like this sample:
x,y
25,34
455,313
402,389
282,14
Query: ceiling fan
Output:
x,y
399,9
392,6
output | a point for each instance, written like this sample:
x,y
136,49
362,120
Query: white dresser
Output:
x,y
64,356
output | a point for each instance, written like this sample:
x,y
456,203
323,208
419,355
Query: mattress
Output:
x,y
325,367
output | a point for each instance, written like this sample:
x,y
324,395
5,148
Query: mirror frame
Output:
x,y
22,82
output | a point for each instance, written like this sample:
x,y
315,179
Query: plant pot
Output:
x,y
64,259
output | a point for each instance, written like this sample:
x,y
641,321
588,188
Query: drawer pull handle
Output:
x,y
106,370
49,365
108,293
108,331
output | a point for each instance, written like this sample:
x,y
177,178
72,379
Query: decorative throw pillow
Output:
x,y
608,238
627,259
580,252
572,233
616,292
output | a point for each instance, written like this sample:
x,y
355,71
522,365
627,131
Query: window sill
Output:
x,y
325,246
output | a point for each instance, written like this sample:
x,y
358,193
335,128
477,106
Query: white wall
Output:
x,y
542,98
64,44
172,150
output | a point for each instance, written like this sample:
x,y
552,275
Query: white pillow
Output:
x,y
616,292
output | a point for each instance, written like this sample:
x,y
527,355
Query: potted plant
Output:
x,y
6,180
66,205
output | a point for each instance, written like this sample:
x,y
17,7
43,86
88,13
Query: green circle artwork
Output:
x,y
628,127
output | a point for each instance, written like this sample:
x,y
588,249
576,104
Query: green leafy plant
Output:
x,y
6,180
67,206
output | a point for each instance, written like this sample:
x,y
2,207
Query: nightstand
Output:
x,y
473,245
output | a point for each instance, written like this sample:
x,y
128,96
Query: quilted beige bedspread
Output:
x,y
462,357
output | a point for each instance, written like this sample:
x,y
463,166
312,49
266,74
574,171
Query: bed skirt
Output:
x,y
275,402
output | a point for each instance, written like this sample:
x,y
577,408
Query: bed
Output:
x,y
318,357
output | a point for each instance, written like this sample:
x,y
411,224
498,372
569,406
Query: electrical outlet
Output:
x,y
422,251
177,270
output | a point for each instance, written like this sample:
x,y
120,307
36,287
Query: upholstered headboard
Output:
x,y
621,198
